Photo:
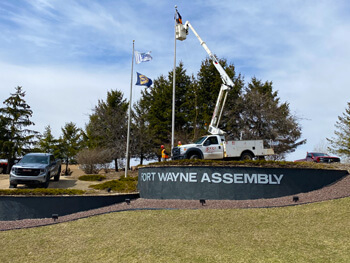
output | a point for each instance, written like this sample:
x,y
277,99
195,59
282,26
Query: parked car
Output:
x,y
3,165
35,168
319,158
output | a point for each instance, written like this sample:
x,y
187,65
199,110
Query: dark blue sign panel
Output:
x,y
23,207
230,183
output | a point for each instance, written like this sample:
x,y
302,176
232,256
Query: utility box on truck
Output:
x,y
214,147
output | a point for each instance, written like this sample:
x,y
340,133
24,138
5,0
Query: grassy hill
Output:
x,y
316,232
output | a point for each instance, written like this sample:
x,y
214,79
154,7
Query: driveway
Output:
x,y
65,182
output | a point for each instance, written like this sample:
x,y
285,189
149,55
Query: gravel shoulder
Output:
x,y
337,190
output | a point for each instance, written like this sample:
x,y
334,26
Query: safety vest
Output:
x,y
165,154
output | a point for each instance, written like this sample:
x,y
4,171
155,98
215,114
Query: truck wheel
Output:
x,y
247,156
46,184
194,156
13,185
57,176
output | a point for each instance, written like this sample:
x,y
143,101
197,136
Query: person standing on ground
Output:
x,y
179,143
165,155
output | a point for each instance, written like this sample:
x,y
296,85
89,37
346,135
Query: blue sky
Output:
x,y
68,54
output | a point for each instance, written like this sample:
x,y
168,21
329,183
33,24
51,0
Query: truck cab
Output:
x,y
206,147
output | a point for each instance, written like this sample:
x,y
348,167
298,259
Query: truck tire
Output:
x,y
57,176
13,185
46,184
247,156
195,156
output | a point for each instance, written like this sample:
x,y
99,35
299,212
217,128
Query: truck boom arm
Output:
x,y
225,87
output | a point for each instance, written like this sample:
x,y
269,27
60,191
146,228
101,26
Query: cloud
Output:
x,y
60,95
68,54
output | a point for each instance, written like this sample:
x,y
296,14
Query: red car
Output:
x,y
3,165
319,158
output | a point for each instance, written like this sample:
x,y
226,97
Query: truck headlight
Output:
x,y
42,171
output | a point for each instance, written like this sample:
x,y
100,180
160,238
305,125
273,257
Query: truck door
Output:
x,y
212,148
309,157
53,166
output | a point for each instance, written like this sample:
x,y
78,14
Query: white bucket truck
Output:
x,y
215,146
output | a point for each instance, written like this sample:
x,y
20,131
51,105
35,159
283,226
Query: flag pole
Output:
x,y
174,75
129,114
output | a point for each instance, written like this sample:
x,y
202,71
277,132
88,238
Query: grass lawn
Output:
x,y
307,233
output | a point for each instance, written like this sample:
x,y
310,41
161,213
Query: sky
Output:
x,y
67,54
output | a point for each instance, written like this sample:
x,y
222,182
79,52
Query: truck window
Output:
x,y
52,159
200,140
213,140
34,159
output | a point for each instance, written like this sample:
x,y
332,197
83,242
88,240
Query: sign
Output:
x,y
230,183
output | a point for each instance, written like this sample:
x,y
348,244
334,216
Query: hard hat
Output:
x,y
162,146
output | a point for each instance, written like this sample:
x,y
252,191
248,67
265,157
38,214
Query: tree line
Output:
x,y
253,111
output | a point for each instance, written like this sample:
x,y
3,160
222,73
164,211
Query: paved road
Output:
x,y
65,182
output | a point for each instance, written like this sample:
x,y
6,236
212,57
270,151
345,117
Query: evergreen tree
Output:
x,y
140,139
209,82
16,119
70,143
4,136
263,116
251,112
47,143
156,105
340,143
107,127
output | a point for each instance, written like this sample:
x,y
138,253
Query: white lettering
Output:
x,y
238,179
170,177
250,179
270,180
175,176
263,179
278,178
184,177
227,178
193,177
162,176
216,178
205,178
147,176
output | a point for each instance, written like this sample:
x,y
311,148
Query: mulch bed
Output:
x,y
337,190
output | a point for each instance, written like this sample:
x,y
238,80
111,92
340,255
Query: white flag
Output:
x,y
142,57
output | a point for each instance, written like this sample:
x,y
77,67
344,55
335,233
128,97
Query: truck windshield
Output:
x,y
320,154
200,140
35,159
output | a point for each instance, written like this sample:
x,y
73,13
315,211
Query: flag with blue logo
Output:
x,y
142,80
142,57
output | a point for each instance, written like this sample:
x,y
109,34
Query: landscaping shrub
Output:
x,y
92,177
247,163
41,191
93,160
123,185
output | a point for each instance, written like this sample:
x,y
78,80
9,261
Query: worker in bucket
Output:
x,y
165,155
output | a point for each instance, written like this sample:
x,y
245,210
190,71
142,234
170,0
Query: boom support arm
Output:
x,y
225,87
